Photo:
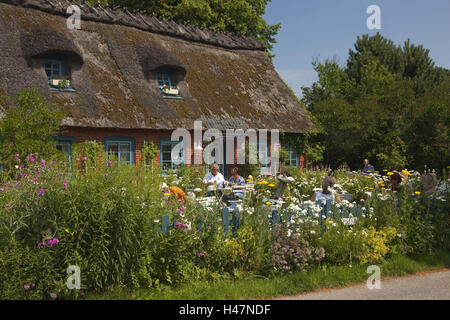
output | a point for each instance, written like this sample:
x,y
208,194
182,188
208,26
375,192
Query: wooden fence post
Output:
x,y
165,223
225,220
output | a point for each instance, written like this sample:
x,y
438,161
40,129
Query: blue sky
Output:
x,y
326,28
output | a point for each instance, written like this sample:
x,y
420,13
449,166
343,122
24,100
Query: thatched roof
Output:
x,y
113,59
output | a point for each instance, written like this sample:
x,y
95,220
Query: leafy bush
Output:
x,y
292,251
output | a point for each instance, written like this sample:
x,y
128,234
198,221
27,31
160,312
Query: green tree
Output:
x,y
389,103
236,16
28,126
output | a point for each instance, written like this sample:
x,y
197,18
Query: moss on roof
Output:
x,y
112,82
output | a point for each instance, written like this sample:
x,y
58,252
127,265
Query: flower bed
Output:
x,y
110,223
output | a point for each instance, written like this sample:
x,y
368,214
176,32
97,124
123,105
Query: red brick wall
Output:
x,y
139,136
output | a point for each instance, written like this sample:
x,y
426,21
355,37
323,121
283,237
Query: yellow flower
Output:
x,y
377,171
383,189
369,171
390,173
366,187
264,182
167,194
271,185
268,203
417,193
369,177
406,172
384,170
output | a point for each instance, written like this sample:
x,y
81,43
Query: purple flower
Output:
x,y
177,224
32,159
8,205
53,242
53,295
107,175
38,171
78,159
200,254
41,192
16,155
51,163
64,184
109,163
26,287
84,158
43,162
36,180
36,199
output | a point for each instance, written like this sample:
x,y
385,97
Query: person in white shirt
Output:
x,y
213,176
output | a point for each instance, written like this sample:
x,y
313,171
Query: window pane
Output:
x,y
113,148
167,156
124,151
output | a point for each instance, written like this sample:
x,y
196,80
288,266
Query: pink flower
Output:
x,y
84,158
43,162
78,159
200,254
109,163
32,159
107,175
64,184
53,242
26,287
41,192
16,155
51,163
53,295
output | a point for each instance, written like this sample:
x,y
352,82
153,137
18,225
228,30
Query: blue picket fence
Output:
x,y
284,216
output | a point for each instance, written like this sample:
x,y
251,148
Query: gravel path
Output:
x,y
422,286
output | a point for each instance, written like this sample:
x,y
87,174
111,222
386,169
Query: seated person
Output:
x,y
237,180
368,168
213,176
177,192
396,182
327,182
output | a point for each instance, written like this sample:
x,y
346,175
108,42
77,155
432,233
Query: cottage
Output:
x,y
128,78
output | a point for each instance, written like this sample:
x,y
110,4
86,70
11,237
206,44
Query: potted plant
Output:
x,y
59,82
173,91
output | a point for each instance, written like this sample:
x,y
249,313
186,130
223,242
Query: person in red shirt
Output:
x,y
177,192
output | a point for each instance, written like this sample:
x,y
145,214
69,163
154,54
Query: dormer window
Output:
x,y
57,74
166,84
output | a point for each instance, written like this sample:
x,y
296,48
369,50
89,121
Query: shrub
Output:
x,y
292,251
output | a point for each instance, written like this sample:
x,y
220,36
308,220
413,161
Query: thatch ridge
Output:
x,y
143,22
